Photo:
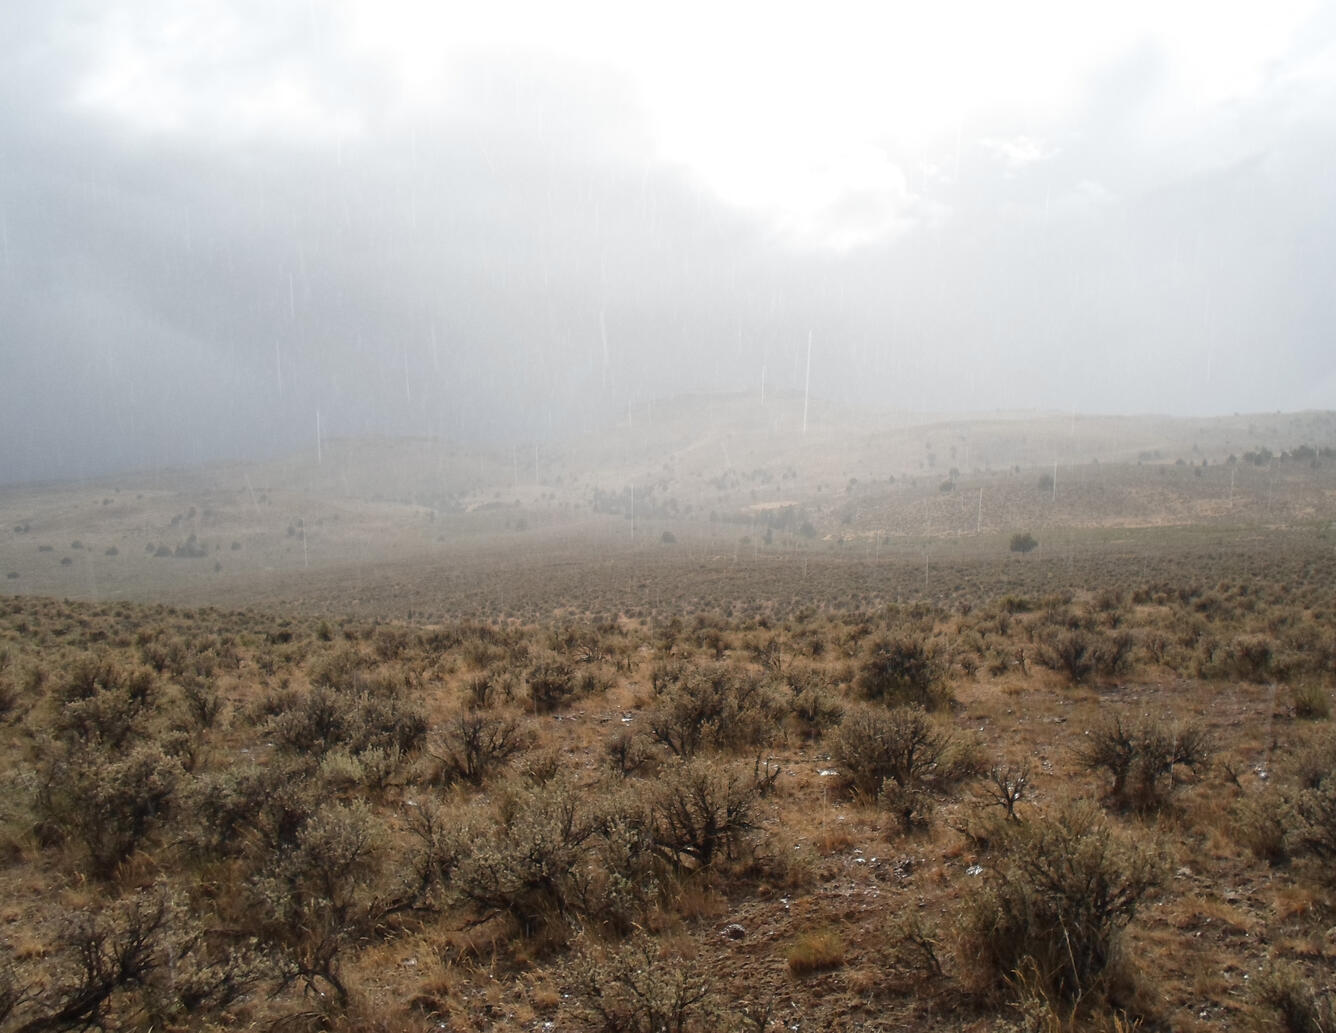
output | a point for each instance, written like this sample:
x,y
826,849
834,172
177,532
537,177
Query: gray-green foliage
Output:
x,y
899,757
903,670
557,853
1080,653
1140,756
474,744
142,962
107,802
711,705
635,988
1056,894
323,894
702,811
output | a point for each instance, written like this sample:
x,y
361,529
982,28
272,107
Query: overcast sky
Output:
x,y
507,221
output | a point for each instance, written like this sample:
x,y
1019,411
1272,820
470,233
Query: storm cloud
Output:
x,y
217,225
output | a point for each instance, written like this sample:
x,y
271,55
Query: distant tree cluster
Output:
x,y
1024,542
1302,453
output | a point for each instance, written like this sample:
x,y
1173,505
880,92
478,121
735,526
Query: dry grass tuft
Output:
x,y
819,951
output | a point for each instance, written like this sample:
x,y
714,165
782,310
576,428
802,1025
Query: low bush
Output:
x,y
325,719
1249,658
711,705
89,674
1049,912
473,745
9,693
314,900
1283,995
915,944
1312,758
1315,811
640,988
815,708
248,809
557,855
104,703
902,671
1263,824
107,803
1312,702
487,689
142,962
1080,654
203,701
901,758
551,682
1141,757
627,752
700,812
1005,785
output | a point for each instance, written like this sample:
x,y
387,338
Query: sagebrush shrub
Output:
x,y
320,896
551,682
638,988
814,707
556,855
1078,654
203,700
103,702
627,752
1283,994
1312,702
1313,758
9,694
474,744
485,690
89,674
899,757
1264,824
106,802
1315,809
1056,895
1250,658
246,809
337,669
325,719
903,670
1141,756
141,961
701,811
712,705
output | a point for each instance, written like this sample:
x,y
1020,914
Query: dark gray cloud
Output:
x,y
519,263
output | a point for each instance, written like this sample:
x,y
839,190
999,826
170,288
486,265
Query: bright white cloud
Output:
x,y
795,113
215,70
1017,152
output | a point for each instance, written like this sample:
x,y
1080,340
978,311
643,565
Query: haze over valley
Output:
x,y
710,518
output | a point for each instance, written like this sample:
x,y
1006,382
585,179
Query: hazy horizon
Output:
x,y
845,420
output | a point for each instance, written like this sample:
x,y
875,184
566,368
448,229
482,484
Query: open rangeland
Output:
x,y
977,751
1040,806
